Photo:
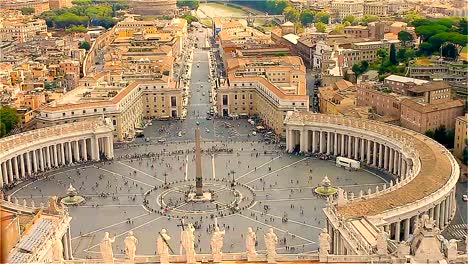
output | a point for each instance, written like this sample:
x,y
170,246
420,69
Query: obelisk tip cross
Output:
x,y
198,175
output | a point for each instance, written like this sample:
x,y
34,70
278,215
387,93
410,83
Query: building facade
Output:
x,y
38,5
461,136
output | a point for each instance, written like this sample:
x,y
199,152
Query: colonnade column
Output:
x,y
76,151
447,209
442,215
6,180
349,152
23,169
381,155
395,162
314,142
54,154
15,167
368,152
302,145
342,148
356,148
374,154
48,159
28,162
85,150
66,254
335,144
321,142
386,157
10,171
329,143
70,154
437,214
390,160
41,159
397,231
407,229
62,153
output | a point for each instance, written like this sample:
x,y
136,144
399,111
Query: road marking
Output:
x,y
289,199
115,173
282,168
142,172
284,189
360,185
108,205
186,167
48,176
264,164
279,229
213,166
109,226
289,220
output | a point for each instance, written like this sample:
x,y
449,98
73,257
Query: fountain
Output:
x,y
325,188
72,197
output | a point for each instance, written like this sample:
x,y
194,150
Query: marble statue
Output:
x,y
106,248
163,247
324,242
250,242
217,244
382,243
452,249
57,250
188,243
270,241
131,243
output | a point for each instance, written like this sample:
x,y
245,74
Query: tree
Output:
x,y
463,26
382,53
405,55
27,10
82,2
427,31
450,51
321,27
339,29
85,45
76,29
193,4
323,17
349,18
8,119
393,56
366,19
306,17
291,14
405,37
411,16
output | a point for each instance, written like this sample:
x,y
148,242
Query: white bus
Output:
x,y
347,163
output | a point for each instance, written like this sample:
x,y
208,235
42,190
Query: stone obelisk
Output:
x,y
198,172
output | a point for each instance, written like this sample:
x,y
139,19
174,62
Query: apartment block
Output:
x,y
461,135
267,86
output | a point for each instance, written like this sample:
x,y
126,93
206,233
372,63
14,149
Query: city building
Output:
x,y
153,7
125,103
38,5
21,30
57,4
401,84
461,136
267,86
435,69
375,8
338,98
344,8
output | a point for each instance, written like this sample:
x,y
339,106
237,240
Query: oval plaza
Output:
x,y
411,209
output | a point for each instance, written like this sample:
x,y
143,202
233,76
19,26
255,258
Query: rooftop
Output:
x,y
403,79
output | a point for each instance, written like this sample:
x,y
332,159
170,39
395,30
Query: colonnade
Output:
x,y
375,152
33,159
